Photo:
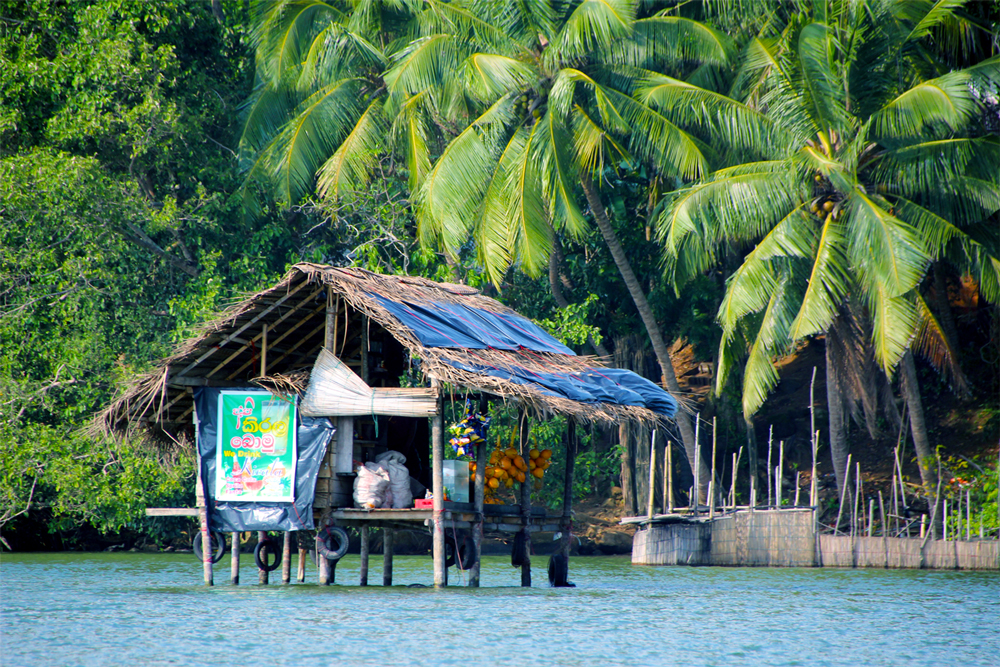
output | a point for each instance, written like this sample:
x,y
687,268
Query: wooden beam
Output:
x,y
301,342
171,511
243,328
287,333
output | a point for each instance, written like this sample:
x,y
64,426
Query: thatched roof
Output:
x,y
227,351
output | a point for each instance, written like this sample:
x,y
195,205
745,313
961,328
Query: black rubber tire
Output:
x,y
324,546
558,571
218,542
449,554
273,549
466,552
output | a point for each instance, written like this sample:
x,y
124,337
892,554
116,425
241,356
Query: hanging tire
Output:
x,y
273,549
326,539
559,571
218,546
466,553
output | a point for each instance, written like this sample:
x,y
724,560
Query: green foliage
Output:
x,y
976,481
570,323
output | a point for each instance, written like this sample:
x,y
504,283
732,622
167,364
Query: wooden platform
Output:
x,y
496,518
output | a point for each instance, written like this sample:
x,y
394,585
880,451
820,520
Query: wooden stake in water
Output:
x,y
732,490
712,478
814,483
780,473
652,476
669,475
871,515
286,559
697,463
840,510
944,521
301,577
857,495
770,446
234,562
711,499
968,515
798,474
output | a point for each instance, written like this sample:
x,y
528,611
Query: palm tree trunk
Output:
x,y
910,387
652,328
835,409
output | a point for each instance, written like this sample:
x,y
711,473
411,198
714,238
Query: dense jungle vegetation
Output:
x,y
763,180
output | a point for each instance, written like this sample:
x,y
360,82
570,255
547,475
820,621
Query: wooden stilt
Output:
x,y
567,517
234,560
206,534
365,554
669,476
715,484
388,537
303,554
286,558
437,488
479,503
523,428
652,476
262,574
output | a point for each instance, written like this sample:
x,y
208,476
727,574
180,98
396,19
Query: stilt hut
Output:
x,y
324,351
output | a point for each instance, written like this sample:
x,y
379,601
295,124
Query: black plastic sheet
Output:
x,y
313,434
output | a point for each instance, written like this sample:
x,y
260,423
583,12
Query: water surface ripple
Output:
x,y
150,609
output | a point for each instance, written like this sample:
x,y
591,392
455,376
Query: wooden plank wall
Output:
x,y
899,552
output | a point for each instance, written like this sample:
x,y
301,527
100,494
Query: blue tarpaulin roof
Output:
x,y
456,326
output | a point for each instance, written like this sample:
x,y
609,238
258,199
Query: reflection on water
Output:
x,y
150,609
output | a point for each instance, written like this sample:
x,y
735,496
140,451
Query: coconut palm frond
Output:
x,y
336,52
284,32
883,247
750,286
932,343
724,118
772,340
935,15
449,200
821,84
559,175
318,125
351,165
421,65
487,76
594,146
945,100
660,40
265,112
828,283
593,25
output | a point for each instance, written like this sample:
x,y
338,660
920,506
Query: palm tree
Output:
x,y
870,168
503,113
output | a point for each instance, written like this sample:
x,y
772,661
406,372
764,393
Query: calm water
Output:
x,y
143,609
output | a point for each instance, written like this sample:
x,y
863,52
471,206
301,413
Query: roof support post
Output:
x,y
479,493
437,488
206,533
523,424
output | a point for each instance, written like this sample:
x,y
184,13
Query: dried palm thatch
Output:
x,y
285,327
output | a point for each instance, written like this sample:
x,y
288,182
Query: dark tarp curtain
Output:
x,y
229,516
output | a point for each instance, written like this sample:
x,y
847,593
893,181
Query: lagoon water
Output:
x,y
150,609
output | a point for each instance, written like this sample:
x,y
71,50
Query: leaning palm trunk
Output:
x,y
918,427
652,328
835,409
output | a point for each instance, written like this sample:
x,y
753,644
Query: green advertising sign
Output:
x,y
256,448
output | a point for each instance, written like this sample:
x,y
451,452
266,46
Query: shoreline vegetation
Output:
x,y
785,213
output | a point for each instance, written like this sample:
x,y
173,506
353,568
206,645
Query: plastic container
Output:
x,y
456,481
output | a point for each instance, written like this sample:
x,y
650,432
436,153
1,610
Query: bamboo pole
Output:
x,y
388,546
968,515
697,466
366,542
206,533
715,485
652,476
479,500
732,488
437,488
711,499
770,470
895,505
798,475
778,475
669,474
840,510
944,521
885,538
286,558
814,483
234,560
523,428
567,518
871,515
857,495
